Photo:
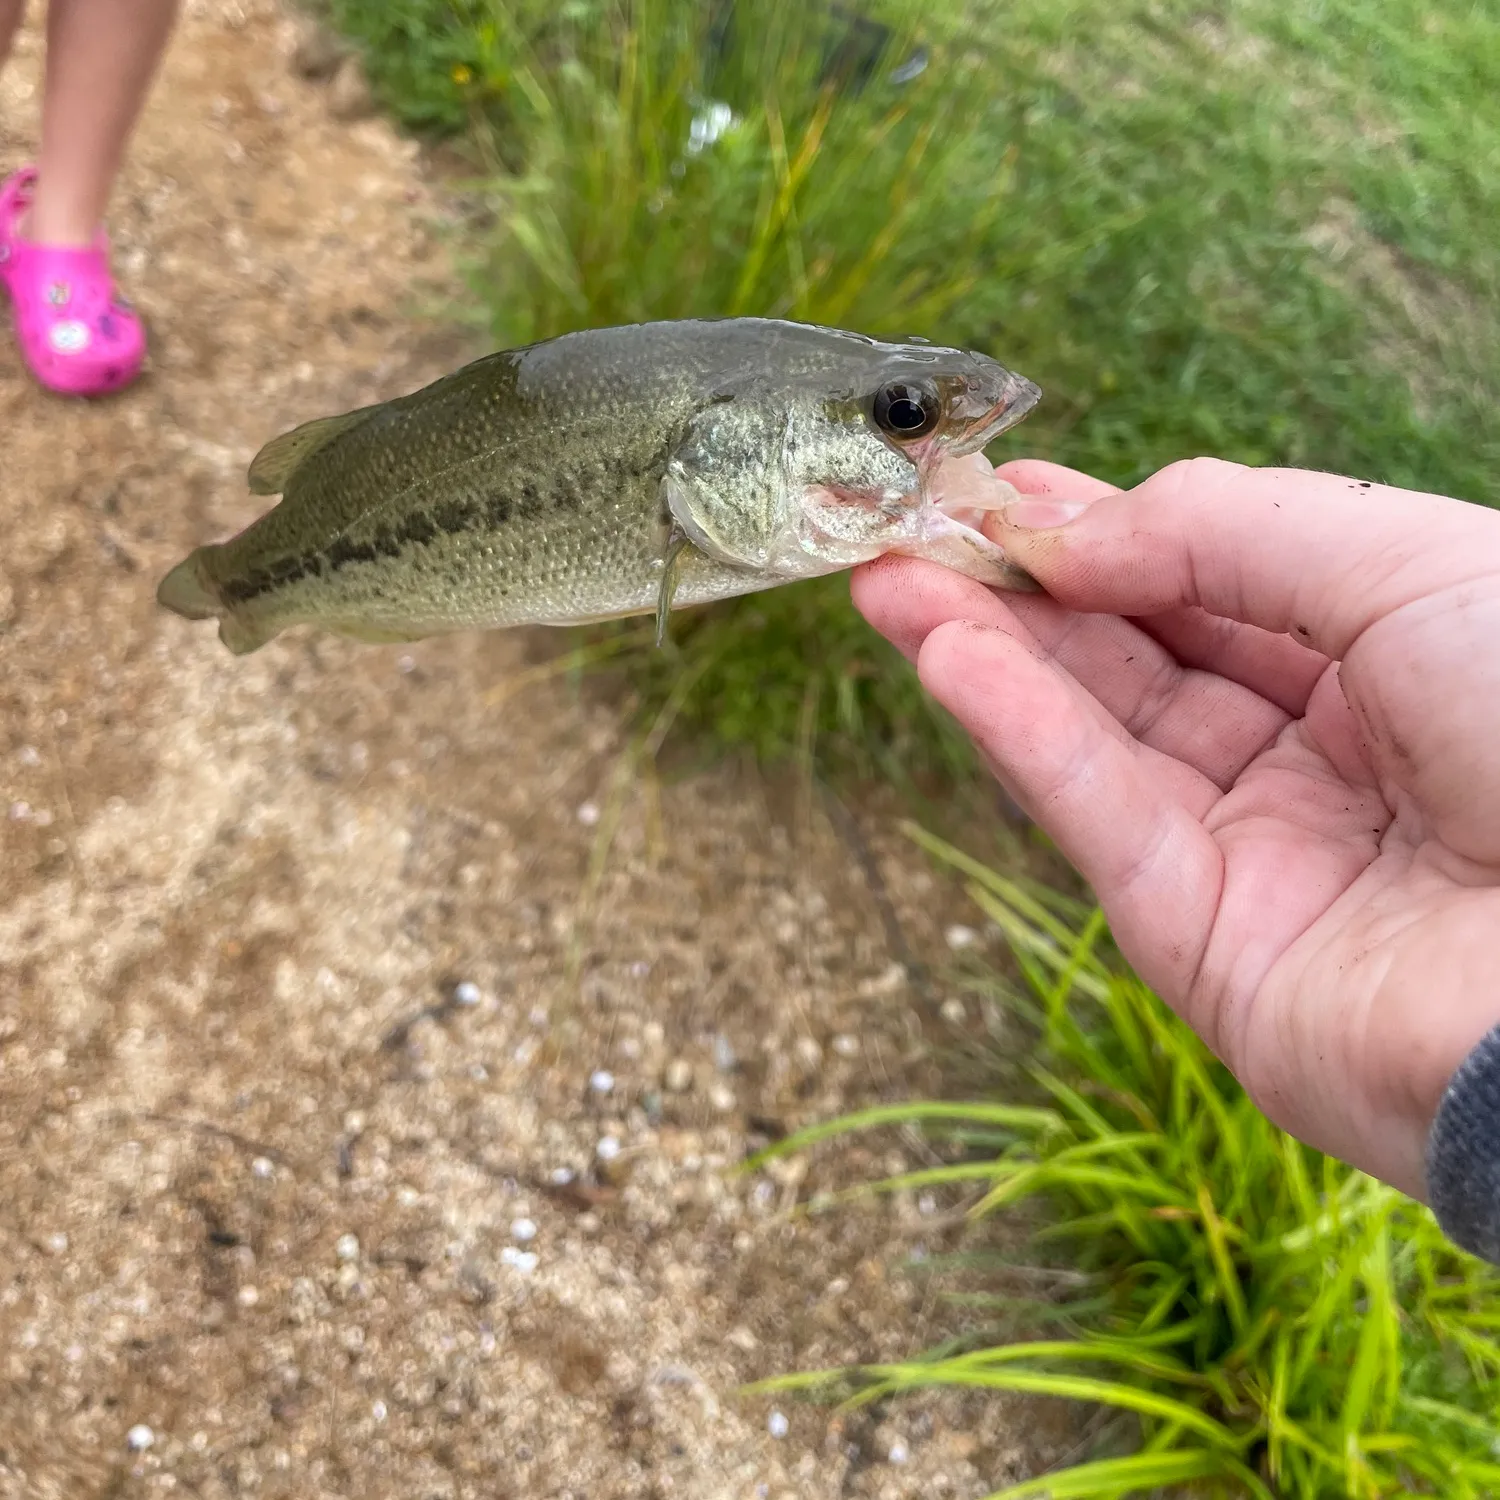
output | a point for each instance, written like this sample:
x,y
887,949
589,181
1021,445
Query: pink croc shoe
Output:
x,y
76,335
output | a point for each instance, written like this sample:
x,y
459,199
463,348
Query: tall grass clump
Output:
x,y
1258,231
1269,1322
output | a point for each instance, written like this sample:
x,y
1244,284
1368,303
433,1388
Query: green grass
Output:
x,y
1270,1322
1262,230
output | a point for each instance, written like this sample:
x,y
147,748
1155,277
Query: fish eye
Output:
x,y
906,411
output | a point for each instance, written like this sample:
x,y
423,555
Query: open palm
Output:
x,y
1260,711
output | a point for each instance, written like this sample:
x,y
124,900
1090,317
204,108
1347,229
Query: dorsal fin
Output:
x,y
274,465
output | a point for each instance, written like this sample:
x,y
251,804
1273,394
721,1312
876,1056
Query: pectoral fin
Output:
x,y
677,544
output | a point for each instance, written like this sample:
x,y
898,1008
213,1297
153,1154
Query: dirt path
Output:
x,y
264,1189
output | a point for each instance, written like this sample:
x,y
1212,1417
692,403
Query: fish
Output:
x,y
613,472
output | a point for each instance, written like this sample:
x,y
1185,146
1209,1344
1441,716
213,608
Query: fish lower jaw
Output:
x,y
949,531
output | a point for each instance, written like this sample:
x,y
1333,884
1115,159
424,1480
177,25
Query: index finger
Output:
x,y
1316,556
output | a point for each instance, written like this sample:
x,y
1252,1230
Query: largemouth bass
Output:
x,y
615,472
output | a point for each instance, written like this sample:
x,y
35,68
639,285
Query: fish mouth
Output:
x,y
1017,399
964,489
948,525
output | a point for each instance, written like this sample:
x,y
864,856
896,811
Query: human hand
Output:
x,y
1259,710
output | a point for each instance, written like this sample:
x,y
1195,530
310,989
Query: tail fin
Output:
x,y
186,592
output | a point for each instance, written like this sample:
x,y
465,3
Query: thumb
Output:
x,y
1316,556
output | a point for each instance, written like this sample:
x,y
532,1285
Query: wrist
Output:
x,y
1463,1153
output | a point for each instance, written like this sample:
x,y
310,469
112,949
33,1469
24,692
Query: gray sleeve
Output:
x,y
1463,1154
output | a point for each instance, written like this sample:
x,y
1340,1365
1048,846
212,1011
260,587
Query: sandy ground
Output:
x,y
278,1215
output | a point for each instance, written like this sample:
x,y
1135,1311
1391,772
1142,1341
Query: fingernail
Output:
x,y
1030,514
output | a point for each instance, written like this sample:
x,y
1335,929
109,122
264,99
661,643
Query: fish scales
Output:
x,y
544,485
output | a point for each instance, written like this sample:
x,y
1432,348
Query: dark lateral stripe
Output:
x,y
531,498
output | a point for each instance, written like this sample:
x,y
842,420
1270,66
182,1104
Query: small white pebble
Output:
x,y
249,1296
29,756
724,1059
955,1012
57,1243
808,1053
562,1176
640,969
958,936
926,1204
523,1230
523,1261
602,1081
405,664
899,1452
20,811
777,1424
377,1410
139,1438
466,993
407,1197
347,1247
608,1148
679,1076
721,1096
846,1045
588,814
262,1166
537,1015
630,1047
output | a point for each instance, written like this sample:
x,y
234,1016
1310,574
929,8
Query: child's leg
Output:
x,y
11,12
75,333
101,58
